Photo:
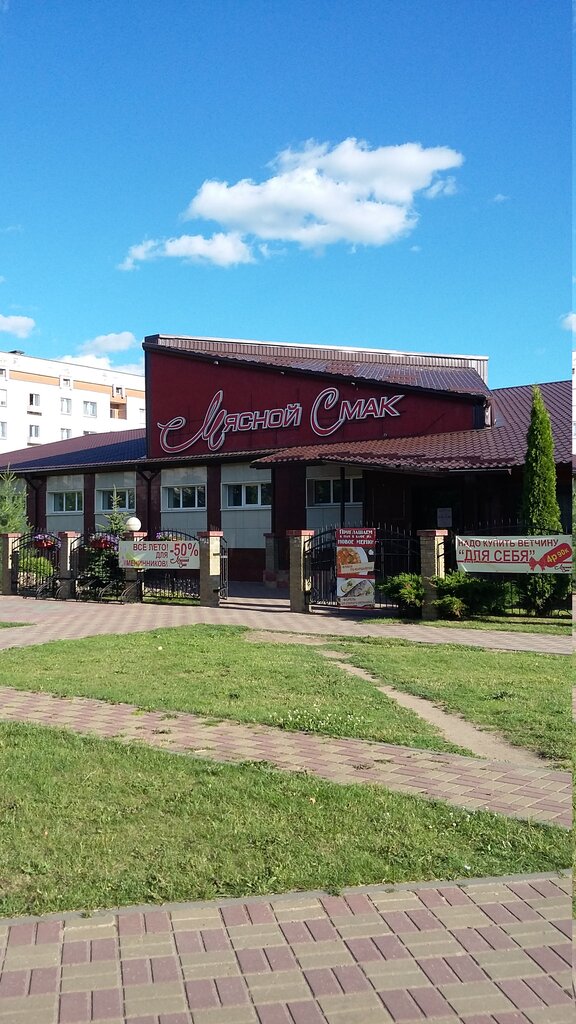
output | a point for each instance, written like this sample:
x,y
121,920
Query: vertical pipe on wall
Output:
x,y
342,496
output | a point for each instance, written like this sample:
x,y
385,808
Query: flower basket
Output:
x,y
45,542
103,542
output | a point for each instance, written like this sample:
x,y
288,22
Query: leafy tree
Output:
x,y
13,518
540,509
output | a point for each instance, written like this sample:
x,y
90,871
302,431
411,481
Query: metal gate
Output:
x,y
34,565
223,569
170,584
94,567
320,567
397,551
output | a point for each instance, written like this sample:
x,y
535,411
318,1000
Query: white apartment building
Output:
x,y
43,400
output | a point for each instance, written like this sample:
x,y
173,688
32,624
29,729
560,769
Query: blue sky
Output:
x,y
392,173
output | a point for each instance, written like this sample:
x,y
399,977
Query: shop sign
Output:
x,y
159,554
328,414
355,553
514,554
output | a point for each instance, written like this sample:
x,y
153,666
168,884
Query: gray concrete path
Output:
x,y
486,951
61,620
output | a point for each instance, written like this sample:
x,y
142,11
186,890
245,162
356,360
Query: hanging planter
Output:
x,y
103,542
45,542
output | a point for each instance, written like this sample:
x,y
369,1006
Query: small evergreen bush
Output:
x,y
407,591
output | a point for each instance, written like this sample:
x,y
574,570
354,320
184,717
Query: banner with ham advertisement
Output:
x,y
514,554
355,554
159,554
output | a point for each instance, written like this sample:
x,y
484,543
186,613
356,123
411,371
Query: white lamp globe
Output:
x,y
133,524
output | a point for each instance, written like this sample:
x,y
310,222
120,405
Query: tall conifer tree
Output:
x,y
540,509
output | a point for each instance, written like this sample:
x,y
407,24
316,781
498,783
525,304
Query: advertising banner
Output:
x,y
514,554
159,554
355,553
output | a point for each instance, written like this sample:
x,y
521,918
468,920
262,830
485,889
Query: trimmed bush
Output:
x,y
450,607
407,591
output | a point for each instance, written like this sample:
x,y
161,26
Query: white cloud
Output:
x,y
19,326
568,322
500,198
116,342
102,363
2,279
317,196
224,250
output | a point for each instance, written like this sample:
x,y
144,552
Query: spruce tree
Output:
x,y
540,509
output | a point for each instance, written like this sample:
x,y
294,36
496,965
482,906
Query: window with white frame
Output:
x,y
3,372
3,430
174,498
65,382
142,416
329,492
3,397
33,400
65,433
247,495
125,499
66,406
89,408
86,432
33,432
67,501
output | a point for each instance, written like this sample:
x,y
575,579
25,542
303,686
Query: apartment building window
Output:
x,y
119,392
3,373
3,397
65,382
89,408
125,499
329,492
33,432
183,497
65,432
142,417
87,432
3,431
67,501
247,495
33,400
66,406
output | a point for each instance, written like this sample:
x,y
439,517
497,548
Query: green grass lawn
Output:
x,y
526,697
9,625
212,671
556,626
87,823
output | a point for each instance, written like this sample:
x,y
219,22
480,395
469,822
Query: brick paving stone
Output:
x,y
507,971
538,794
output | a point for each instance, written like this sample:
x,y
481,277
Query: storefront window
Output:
x,y
125,499
184,497
247,495
329,492
67,501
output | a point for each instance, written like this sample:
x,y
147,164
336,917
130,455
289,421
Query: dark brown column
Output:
x,y
89,488
289,498
213,498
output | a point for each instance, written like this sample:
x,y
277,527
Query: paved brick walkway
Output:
x,y
481,952
541,794
61,620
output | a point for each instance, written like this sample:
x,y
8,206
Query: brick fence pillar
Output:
x,y
299,585
7,542
210,568
431,564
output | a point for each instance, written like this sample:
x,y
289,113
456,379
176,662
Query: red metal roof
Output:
x,y
456,374
497,447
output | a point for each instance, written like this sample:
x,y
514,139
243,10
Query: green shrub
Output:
x,y
451,607
540,595
480,596
35,565
407,591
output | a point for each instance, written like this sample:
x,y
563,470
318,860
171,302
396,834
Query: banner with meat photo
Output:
x,y
355,554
